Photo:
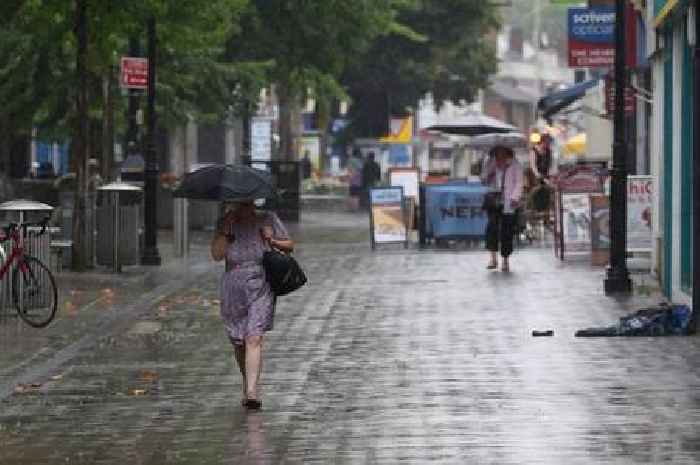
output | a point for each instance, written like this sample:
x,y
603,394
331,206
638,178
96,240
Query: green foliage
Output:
x,y
310,42
449,55
37,57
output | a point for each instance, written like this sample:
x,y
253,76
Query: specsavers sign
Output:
x,y
591,37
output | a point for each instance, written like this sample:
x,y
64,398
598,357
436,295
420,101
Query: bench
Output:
x,y
57,248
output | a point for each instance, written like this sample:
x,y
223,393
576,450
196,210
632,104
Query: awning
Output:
x,y
512,93
557,101
576,145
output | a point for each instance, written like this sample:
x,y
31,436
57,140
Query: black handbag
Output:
x,y
492,201
283,272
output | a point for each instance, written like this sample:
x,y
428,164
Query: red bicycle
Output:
x,y
34,292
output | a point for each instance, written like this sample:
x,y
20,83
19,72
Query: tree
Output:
x,y
58,62
308,43
450,56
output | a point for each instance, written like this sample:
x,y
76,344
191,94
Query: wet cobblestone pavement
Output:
x,y
397,356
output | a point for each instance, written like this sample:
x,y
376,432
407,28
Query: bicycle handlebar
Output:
x,y
24,226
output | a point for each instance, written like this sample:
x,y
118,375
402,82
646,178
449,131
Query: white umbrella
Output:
x,y
473,124
513,140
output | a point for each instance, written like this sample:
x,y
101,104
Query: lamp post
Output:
x,y
696,170
618,278
133,106
150,252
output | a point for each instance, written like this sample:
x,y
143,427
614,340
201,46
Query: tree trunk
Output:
x,y
289,122
4,147
108,126
80,146
323,114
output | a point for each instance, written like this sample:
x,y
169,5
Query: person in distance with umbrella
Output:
x,y
247,302
504,175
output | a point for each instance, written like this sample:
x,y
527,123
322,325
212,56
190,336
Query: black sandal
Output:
x,y
252,404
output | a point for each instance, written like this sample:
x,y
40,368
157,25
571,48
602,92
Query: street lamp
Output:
x,y
618,277
150,252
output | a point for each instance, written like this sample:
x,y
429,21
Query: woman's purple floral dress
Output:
x,y
247,302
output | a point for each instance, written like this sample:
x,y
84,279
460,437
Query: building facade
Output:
x,y
670,48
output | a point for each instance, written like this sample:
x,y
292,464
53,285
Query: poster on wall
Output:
x,y
408,179
640,191
600,229
576,222
260,141
387,219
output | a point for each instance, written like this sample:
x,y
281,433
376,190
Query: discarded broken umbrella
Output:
x,y
663,320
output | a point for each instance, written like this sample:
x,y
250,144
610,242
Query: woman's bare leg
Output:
x,y
239,354
253,365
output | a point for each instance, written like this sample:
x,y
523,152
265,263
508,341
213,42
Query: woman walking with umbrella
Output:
x,y
504,175
247,302
242,237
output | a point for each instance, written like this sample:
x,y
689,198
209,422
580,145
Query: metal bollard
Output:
x,y
181,239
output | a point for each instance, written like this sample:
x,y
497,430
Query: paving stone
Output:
x,y
396,356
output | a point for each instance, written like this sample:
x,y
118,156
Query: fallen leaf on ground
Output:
x,y
22,388
148,375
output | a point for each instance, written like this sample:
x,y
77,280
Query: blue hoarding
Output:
x,y
455,210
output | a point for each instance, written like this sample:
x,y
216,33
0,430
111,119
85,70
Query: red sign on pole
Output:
x,y
610,98
134,73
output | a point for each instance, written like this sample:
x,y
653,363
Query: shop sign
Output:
x,y
260,141
134,73
640,192
610,98
576,222
581,179
591,37
600,229
406,178
455,211
387,218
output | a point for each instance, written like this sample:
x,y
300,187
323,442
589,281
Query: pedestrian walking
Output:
x,y
355,172
247,302
371,175
541,157
306,166
504,175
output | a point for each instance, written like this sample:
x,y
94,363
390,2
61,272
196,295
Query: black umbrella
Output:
x,y
227,182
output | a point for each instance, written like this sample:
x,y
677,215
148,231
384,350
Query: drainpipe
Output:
x,y
696,168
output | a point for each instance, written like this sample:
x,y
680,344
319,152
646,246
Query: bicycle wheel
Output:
x,y
34,292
